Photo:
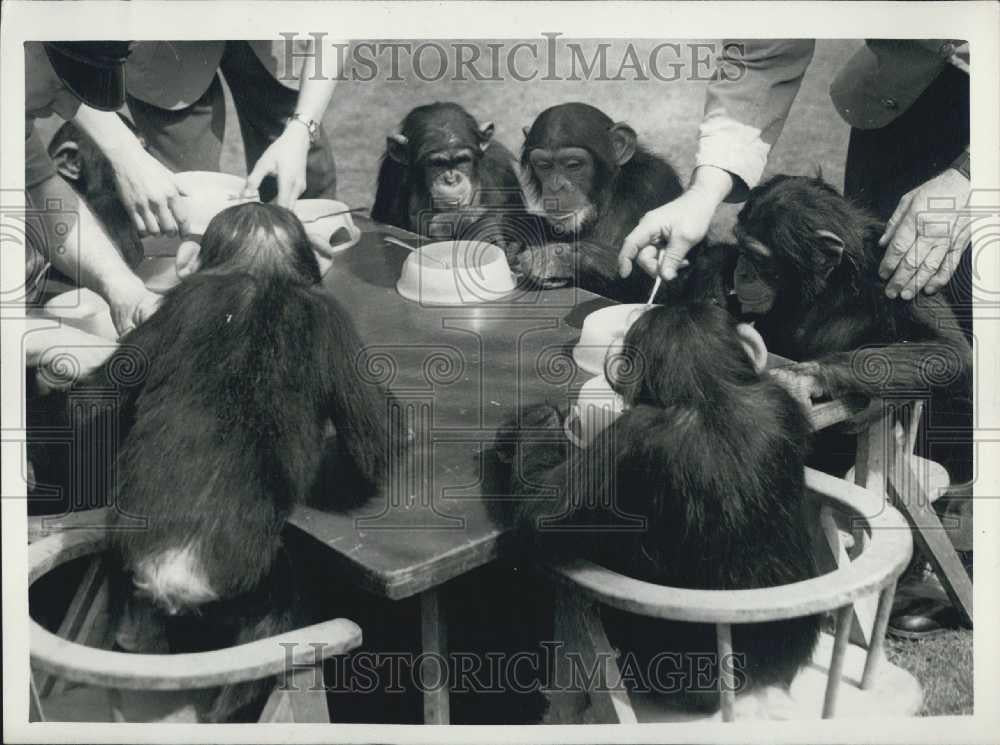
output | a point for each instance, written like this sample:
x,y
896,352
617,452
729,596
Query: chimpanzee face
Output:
x,y
566,177
756,277
442,152
451,177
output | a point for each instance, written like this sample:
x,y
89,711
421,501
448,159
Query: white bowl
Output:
x,y
205,194
328,231
85,310
603,333
596,408
456,273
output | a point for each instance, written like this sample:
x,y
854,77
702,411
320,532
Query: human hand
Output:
x,y
664,236
286,160
926,236
131,305
146,188
801,380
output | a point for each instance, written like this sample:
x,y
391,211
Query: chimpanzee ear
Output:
x,y
832,246
188,258
398,146
526,131
67,160
485,134
623,140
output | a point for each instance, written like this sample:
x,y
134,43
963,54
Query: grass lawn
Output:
x,y
944,668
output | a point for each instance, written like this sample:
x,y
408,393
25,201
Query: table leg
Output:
x,y
434,643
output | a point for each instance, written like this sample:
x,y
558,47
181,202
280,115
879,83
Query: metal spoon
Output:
x,y
408,247
333,214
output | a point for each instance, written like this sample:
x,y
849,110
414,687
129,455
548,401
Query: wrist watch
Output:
x,y
961,164
310,124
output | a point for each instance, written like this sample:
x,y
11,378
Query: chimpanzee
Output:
x,y
225,396
81,163
590,182
699,484
807,274
444,176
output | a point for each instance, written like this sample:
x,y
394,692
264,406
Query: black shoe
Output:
x,y
923,618
922,608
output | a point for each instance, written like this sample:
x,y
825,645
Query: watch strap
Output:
x,y
311,125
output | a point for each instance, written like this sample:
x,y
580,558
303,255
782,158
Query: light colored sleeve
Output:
x,y
748,99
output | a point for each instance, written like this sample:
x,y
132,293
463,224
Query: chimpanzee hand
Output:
x,y
285,159
801,380
131,305
549,266
512,249
535,417
146,187
926,236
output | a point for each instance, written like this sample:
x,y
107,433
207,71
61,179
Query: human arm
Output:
x,y
662,239
145,186
286,157
747,102
85,253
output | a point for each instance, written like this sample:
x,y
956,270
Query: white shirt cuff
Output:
x,y
733,147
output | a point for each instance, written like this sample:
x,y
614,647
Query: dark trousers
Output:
x,y
190,139
882,165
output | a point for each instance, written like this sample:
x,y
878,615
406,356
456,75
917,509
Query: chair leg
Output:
x,y
727,681
930,536
299,700
875,651
587,655
870,469
34,702
844,619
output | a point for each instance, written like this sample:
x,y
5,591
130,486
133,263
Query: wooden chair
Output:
x,y
863,681
112,681
887,465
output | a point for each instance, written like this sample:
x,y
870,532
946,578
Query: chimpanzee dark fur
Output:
x,y
617,198
224,398
445,136
710,456
862,341
830,314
